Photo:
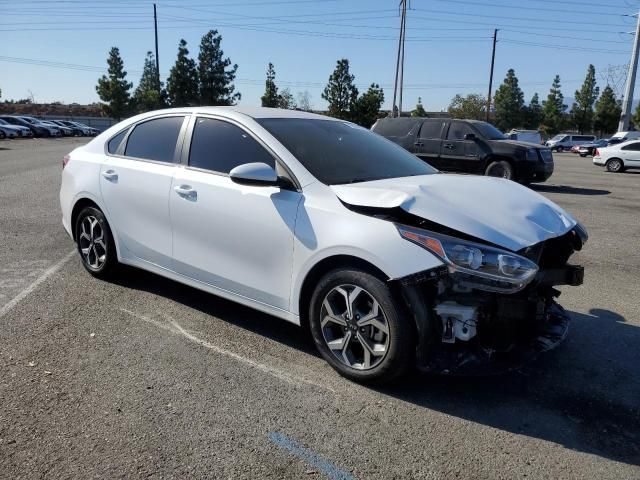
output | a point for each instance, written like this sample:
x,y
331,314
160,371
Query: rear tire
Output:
x,y
359,328
501,169
95,243
615,165
560,149
583,155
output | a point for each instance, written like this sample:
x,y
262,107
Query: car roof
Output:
x,y
253,112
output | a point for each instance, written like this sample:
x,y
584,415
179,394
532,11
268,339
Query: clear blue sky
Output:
x,y
447,51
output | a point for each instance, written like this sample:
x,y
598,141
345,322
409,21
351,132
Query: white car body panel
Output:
x,y
256,245
493,209
238,238
630,158
137,204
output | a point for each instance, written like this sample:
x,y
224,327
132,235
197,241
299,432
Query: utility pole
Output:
x,y
404,34
493,61
631,80
155,26
399,62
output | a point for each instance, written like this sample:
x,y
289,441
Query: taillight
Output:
x,y
597,154
65,160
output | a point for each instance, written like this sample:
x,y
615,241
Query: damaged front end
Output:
x,y
488,310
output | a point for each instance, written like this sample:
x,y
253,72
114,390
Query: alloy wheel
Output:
x,y
91,242
354,327
614,165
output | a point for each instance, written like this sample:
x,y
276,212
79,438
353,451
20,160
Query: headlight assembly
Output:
x,y
473,264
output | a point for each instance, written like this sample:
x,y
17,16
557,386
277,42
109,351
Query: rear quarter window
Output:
x,y
395,127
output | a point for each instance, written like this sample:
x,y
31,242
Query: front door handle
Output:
x,y
110,175
419,144
185,191
450,146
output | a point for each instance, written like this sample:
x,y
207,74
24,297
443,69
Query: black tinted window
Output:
x,y
431,129
114,143
338,152
458,130
395,127
220,146
632,146
155,139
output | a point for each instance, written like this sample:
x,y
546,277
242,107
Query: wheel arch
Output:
x,y
324,266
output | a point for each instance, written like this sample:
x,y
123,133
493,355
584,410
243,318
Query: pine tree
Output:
x,y
286,100
582,109
182,84
553,109
607,113
471,107
533,113
216,78
509,103
419,111
340,92
148,95
270,97
367,108
113,88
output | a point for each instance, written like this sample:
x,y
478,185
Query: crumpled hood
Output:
x,y
493,209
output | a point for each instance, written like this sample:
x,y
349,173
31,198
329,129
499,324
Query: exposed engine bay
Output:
x,y
473,322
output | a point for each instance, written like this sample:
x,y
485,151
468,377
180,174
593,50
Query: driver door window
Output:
x,y
220,146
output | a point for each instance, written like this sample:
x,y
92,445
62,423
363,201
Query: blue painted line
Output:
x,y
313,459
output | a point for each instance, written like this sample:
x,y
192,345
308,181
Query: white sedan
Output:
x,y
317,221
619,157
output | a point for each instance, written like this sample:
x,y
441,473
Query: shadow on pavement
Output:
x,y
568,189
584,395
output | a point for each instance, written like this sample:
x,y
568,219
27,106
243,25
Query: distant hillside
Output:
x,y
52,109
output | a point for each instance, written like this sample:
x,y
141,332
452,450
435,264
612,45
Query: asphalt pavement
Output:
x,y
144,377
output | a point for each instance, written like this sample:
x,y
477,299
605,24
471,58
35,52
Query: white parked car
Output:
x,y
619,157
565,141
327,225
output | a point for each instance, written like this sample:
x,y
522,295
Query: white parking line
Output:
x,y
175,328
24,293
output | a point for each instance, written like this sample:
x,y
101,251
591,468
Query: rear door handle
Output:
x,y
185,191
450,146
110,175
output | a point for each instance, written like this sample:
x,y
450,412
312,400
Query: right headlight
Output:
x,y
474,264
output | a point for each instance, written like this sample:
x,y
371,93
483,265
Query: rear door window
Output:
x,y
431,129
220,146
632,146
155,139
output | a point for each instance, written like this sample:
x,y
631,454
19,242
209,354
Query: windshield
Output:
x,y
489,132
338,152
558,137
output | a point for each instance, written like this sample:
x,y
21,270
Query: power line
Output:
x,y
523,7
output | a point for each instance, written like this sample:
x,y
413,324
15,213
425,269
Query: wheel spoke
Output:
x,y
100,243
345,294
375,350
353,294
340,344
331,316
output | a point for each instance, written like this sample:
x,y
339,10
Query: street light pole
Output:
x,y
155,26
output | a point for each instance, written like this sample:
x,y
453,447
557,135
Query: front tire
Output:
x,y
615,165
501,169
359,328
95,243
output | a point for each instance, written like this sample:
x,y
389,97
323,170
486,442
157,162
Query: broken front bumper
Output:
x,y
475,360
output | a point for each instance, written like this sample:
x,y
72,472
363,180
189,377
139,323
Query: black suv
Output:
x,y
468,146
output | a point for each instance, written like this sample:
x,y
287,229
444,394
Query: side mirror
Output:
x,y
256,173
470,136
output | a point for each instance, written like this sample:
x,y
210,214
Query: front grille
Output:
x,y
547,156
